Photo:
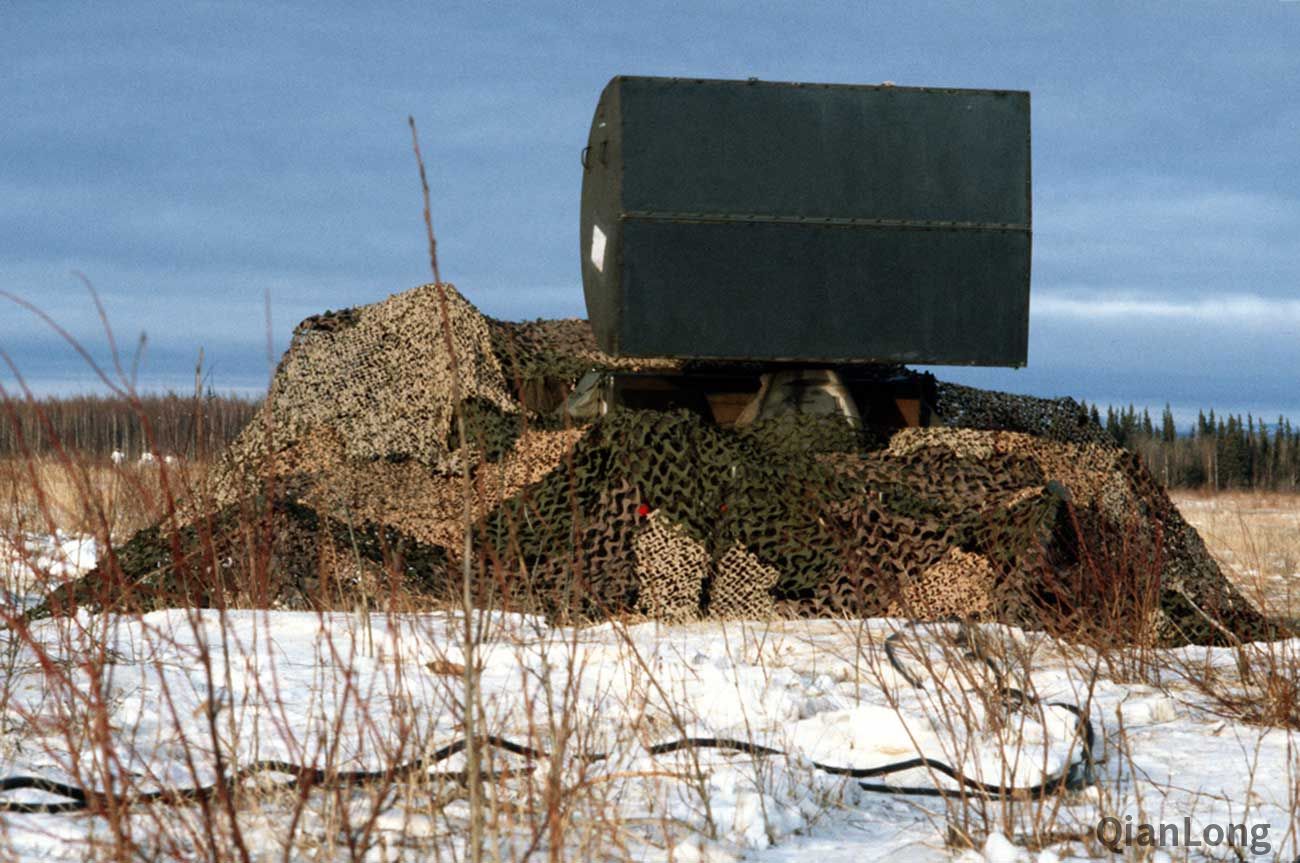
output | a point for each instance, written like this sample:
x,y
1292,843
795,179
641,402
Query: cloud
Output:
x,y
190,163
1176,237
1242,310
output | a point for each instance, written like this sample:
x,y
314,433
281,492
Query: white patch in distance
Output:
x,y
598,248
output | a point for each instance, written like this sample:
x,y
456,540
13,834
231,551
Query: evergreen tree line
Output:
x,y
1216,453
177,425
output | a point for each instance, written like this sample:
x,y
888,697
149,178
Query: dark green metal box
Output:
x,y
772,221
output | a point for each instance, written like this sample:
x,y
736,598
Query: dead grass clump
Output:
x,y
86,495
1256,539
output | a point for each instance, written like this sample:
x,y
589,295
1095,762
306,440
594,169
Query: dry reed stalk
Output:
x,y
473,767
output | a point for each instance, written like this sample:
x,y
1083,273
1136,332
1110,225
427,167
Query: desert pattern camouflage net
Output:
x,y
1015,509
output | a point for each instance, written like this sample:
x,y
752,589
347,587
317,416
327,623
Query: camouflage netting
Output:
x,y
274,553
1017,509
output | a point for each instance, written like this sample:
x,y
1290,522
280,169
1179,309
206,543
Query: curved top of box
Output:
x,y
772,221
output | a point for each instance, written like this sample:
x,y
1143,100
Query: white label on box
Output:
x,y
598,247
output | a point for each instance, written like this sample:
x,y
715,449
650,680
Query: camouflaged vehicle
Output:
x,y
734,433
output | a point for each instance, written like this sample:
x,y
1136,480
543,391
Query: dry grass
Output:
x,y
569,807
86,724
78,494
1256,539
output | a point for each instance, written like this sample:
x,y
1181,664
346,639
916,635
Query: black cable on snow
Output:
x,y
1076,775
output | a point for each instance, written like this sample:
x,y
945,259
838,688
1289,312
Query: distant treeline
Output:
x,y
178,425
1216,453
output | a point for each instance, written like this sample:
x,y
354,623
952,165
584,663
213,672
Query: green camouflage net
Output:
x,y
278,554
753,488
935,523
1014,508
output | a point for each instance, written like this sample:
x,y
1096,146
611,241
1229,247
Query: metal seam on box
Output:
x,y
824,85
916,224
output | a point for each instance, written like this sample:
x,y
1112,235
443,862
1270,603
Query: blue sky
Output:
x,y
193,158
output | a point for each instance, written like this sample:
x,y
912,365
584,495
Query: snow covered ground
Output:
x,y
147,702
38,562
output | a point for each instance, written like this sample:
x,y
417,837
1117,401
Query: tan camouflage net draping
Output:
x,y
1022,512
